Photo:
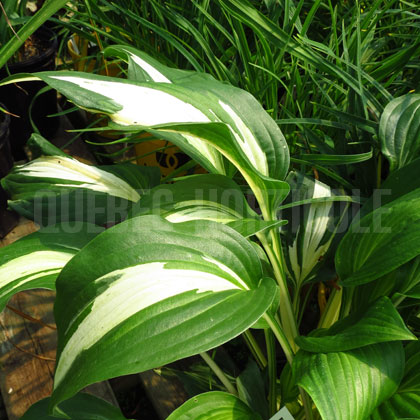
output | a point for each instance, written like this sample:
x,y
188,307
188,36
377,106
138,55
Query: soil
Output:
x,y
32,47
132,398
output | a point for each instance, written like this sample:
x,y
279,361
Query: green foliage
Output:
x,y
375,370
405,401
365,253
80,407
199,261
399,130
381,323
214,405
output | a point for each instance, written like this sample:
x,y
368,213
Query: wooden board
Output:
x,y
27,348
166,394
24,227
25,378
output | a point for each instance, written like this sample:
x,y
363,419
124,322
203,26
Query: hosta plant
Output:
x,y
192,264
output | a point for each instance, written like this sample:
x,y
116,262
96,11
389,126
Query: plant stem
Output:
x,y
281,337
300,415
348,302
278,332
255,349
397,301
272,372
287,315
305,302
379,171
307,404
332,311
219,373
296,300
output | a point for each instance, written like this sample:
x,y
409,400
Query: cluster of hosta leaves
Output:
x,y
184,274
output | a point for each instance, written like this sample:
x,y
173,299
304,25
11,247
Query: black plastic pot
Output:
x,y
8,219
18,98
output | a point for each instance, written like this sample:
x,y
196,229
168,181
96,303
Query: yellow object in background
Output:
x,y
78,50
164,155
322,297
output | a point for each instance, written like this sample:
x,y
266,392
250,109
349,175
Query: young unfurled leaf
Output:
x,y
309,240
171,290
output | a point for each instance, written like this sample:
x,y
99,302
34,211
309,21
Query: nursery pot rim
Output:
x,y
47,36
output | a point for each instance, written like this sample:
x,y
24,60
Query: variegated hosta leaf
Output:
x,y
214,405
68,172
350,385
204,197
140,178
147,292
143,68
315,230
209,197
257,136
269,192
52,189
249,138
37,259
